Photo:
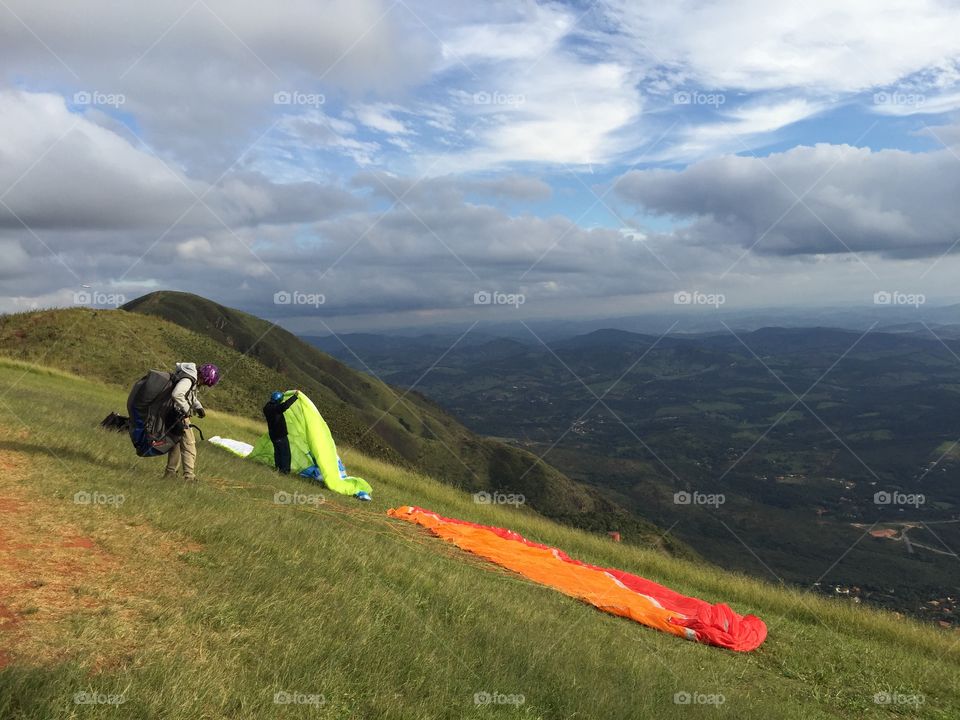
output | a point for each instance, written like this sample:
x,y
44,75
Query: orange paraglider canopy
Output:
x,y
613,591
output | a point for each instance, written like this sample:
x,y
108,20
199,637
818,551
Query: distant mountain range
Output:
x,y
798,429
683,320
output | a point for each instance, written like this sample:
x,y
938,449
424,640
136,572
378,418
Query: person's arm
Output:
x,y
197,406
179,395
289,401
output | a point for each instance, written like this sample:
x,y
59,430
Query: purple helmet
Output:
x,y
209,374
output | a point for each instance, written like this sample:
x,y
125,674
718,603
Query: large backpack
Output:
x,y
155,424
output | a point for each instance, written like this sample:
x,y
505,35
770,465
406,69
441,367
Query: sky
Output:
x,y
368,164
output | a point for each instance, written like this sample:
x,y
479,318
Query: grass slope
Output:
x,y
336,600
415,428
117,346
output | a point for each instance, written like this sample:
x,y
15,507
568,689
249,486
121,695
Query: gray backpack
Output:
x,y
156,426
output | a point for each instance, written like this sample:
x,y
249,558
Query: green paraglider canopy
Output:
x,y
312,449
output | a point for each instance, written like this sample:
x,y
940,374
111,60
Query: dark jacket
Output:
x,y
276,423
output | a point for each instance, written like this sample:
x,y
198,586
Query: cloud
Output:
x,y
563,112
511,188
789,65
902,103
833,47
476,116
201,76
451,189
947,135
16,261
59,170
381,118
735,131
533,32
823,199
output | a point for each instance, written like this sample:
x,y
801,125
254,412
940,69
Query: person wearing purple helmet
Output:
x,y
185,399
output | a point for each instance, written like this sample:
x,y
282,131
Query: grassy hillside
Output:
x,y
117,347
206,601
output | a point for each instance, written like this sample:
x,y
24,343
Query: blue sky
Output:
x,y
398,157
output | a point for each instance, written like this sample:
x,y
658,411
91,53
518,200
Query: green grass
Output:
x,y
386,622
117,347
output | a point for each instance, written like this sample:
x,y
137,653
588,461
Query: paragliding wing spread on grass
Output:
x,y
312,450
613,591
236,447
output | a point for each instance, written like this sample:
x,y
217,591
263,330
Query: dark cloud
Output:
x,y
811,200
200,78
109,194
60,171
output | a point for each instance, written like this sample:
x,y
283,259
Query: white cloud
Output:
x,y
902,103
537,31
783,63
759,46
381,117
567,111
737,129
299,136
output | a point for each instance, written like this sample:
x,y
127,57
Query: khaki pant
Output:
x,y
186,452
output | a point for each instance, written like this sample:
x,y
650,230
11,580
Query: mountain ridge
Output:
x,y
117,346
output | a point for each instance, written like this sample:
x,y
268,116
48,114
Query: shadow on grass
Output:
x,y
67,455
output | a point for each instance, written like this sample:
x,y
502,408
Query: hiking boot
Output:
x,y
167,475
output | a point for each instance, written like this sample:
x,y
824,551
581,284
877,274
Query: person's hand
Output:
x,y
201,413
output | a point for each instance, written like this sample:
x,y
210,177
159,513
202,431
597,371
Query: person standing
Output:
x,y
187,402
277,428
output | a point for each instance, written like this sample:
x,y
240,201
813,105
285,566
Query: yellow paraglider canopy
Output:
x,y
312,450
